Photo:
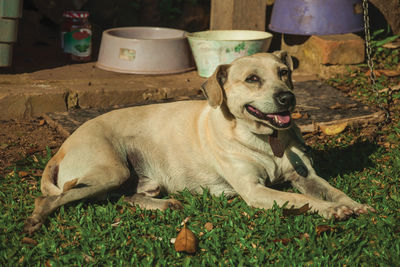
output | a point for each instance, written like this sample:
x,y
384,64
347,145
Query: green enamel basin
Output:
x,y
212,48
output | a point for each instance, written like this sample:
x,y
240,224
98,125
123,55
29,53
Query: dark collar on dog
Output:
x,y
277,147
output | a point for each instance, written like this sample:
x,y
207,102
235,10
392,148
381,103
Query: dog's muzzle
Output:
x,y
286,102
279,120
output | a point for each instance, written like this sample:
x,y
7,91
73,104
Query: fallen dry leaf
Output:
x,y
88,258
231,200
47,263
246,214
35,159
284,241
392,45
42,122
320,229
30,241
305,235
388,73
117,221
336,106
333,129
299,211
185,241
37,173
209,226
296,115
343,106
23,174
376,72
393,88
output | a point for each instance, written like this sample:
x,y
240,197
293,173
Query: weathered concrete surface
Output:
x,y
85,86
317,104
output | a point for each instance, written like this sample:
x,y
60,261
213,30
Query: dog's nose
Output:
x,y
285,99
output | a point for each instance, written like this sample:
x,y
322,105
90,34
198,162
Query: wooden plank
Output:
x,y
221,14
249,15
355,122
238,15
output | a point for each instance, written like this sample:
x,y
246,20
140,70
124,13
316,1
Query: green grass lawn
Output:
x,y
112,233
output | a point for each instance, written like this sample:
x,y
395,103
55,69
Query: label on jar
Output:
x,y
78,42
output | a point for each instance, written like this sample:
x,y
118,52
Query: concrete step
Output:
x,y
64,88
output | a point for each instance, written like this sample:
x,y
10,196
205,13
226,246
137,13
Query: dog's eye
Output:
x,y
283,72
252,78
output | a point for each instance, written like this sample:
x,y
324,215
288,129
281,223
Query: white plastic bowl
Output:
x,y
145,50
212,48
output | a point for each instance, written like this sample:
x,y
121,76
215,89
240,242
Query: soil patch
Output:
x,y
21,138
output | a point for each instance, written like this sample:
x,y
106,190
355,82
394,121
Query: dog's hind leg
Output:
x,y
100,181
151,203
147,190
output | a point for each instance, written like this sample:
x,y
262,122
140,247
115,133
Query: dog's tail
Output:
x,y
50,176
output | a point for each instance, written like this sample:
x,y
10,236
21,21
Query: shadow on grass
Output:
x,y
335,161
343,160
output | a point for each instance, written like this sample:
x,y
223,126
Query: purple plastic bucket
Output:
x,y
316,17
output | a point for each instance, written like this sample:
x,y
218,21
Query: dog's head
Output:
x,y
256,89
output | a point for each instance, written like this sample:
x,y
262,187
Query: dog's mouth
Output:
x,y
279,120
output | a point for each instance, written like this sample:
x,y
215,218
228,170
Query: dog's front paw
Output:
x,y
337,211
173,204
363,208
356,207
32,224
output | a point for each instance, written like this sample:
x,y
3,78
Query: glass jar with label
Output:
x,y
76,35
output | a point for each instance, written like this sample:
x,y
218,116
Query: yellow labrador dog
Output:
x,y
238,142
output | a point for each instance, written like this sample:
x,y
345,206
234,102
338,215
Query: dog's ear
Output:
x,y
285,57
213,87
287,60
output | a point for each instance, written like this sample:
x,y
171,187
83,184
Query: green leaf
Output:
x,y
385,41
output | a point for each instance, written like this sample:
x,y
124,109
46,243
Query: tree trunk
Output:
x,y
391,11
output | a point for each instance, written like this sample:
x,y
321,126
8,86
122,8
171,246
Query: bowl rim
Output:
x,y
192,35
107,32
102,66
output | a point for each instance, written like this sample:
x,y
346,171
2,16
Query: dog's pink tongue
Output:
x,y
255,110
284,119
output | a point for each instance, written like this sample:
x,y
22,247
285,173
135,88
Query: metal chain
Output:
x,y
370,62
368,48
